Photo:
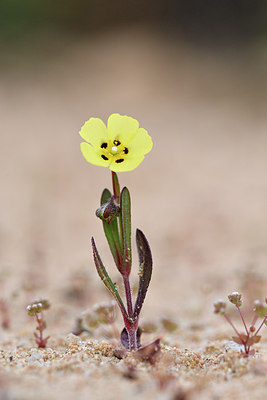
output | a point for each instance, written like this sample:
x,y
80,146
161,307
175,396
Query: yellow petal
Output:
x,y
128,164
121,127
92,156
94,131
141,143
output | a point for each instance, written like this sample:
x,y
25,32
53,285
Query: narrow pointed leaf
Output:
x,y
126,231
112,233
106,279
145,270
105,197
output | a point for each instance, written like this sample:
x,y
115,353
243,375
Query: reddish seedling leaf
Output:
x,y
253,340
240,340
149,352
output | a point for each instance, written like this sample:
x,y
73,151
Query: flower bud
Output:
x,y
108,211
219,307
260,309
235,298
37,306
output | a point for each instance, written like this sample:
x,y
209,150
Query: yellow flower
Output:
x,y
121,145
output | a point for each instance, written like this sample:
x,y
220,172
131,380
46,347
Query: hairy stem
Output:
x,y
234,328
254,320
40,325
132,333
242,319
115,185
128,295
259,328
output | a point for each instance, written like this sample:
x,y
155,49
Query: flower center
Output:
x,y
114,150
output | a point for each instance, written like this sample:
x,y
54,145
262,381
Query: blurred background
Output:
x,y
194,75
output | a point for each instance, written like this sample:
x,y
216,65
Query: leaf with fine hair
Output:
x,y
106,279
145,270
112,233
126,231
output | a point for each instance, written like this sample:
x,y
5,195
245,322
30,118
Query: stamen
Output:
x,y
104,157
126,151
120,160
104,145
116,142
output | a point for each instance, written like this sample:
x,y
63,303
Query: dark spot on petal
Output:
x,y
104,157
120,160
126,151
116,142
104,145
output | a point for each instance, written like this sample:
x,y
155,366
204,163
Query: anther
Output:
x,y
116,142
120,160
104,145
104,157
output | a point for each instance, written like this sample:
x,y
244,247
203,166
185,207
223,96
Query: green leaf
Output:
x,y
145,270
106,279
112,233
126,231
105,197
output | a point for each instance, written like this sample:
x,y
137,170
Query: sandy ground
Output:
x,y
200,197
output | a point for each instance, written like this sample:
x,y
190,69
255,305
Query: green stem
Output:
x,y
117,195
116,185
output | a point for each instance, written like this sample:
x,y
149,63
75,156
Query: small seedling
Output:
x,y
4,312
36,309
98,318
250,336
121,146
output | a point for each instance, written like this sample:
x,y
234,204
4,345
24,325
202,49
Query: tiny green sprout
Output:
x,y
120,146
106,313
250,336
101,314
168,324
36,309
4,312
